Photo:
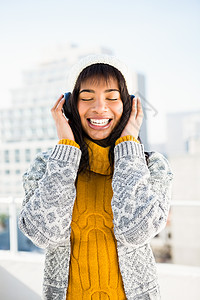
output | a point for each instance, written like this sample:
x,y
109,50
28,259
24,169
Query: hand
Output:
x,y
64,130
135,120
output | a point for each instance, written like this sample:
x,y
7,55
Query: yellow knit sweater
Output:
x,y
94,270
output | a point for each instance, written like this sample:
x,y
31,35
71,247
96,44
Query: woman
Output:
x,y
97,199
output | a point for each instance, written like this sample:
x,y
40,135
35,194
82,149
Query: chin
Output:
x,y
98,135
98,138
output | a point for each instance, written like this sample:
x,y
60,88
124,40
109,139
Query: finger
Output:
x,y
59,109
57,102
60,104
133,107
139,108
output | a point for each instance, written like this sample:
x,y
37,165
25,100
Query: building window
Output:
x,y
17,156
28,155
187,146
17,171
6,156
33,131
7,172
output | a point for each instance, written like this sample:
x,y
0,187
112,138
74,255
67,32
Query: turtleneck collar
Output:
x,y
98,157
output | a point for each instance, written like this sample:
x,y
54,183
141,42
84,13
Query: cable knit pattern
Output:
x,y
140,205
94,268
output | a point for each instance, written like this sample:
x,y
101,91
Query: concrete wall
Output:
x,y
21,276
185,234
179,282
186,169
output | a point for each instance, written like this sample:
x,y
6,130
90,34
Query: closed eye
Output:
x,y
111,99
87,99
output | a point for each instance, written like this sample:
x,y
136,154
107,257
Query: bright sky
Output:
x,y
157,38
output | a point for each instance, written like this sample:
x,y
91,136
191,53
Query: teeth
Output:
x,y
99,122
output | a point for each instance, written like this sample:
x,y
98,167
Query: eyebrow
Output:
x,y
106,91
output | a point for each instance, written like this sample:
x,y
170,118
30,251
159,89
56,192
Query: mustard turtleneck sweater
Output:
x,y
94,270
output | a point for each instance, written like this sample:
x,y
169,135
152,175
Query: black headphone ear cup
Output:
x,y
66,106
132,97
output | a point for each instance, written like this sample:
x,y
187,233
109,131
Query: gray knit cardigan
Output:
x,y
140,204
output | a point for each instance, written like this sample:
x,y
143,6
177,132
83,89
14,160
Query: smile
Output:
x,y
99,123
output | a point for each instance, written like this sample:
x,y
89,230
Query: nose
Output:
x,y
100,106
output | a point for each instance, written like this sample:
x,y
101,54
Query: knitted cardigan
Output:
x,y
140,205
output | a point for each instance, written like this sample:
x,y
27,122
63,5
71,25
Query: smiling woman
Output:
x,y
94,201
100,108
102,89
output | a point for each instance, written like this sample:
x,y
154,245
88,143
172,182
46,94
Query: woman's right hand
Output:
x,y
64,130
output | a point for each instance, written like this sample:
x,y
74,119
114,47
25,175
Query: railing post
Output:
x,y
13,226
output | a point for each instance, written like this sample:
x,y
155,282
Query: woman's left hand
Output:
x,y
135,120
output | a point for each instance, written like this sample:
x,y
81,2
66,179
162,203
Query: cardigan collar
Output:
x,y
98,158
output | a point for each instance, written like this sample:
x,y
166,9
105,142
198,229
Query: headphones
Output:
x,y
66,106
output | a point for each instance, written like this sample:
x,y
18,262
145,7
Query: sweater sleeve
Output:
x,y
50,192
141,194
68,142
126,138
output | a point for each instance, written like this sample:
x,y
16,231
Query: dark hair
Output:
x,y
96,72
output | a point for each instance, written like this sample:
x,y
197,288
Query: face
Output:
x,y
100,107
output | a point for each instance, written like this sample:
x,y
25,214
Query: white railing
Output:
x,y
15,203
12,204
185,203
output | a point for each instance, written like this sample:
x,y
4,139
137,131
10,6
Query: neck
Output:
x,y
98,157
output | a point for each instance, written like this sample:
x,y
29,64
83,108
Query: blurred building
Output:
x,y
185,224
27,127
180,242
183,148
183,133
185,234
